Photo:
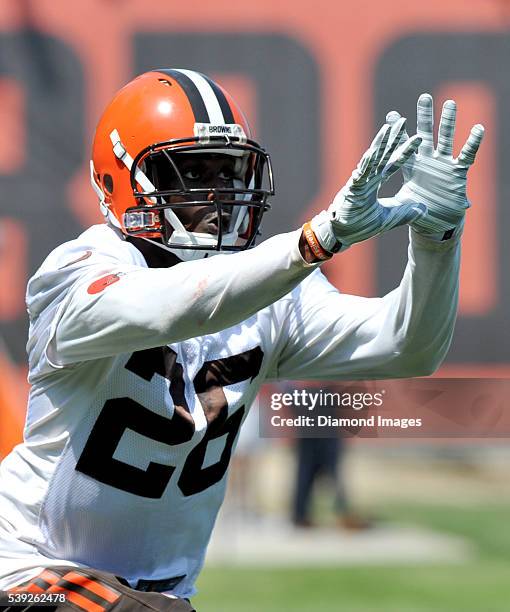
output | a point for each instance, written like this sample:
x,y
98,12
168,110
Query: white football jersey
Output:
x,y
141,379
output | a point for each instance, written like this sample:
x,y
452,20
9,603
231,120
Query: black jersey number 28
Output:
x,y
118,415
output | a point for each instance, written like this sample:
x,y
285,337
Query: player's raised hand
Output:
x,y
433,176
356,214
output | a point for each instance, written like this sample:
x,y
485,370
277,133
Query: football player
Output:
x,y
151,334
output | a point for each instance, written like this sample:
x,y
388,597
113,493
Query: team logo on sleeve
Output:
x,y
101,283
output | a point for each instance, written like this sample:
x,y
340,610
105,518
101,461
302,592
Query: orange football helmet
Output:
x,y
134,168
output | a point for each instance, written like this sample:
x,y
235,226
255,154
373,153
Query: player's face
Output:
x,y
198,172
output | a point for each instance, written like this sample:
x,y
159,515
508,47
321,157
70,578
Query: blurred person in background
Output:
x,y
151,334
316,459
322,459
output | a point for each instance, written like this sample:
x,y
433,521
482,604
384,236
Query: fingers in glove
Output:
x,y
447,128
401,155
391,118
364,168
469,150
378,138
379,143
368,163
425,123
397,131
362,165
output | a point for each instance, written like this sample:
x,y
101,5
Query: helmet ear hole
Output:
x,y
108,183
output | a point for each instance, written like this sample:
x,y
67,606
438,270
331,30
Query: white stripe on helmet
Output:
x,y
208,96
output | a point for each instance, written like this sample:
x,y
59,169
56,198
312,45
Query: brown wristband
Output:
x,y
314,244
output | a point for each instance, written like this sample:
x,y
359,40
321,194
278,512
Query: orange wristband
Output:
x,y
313,243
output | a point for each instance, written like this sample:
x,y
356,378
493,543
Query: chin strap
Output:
x,y
181,254
158,244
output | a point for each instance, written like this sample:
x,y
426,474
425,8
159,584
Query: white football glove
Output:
x,y
435,177
356,214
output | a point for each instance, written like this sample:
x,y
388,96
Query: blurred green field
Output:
x,y
481,585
